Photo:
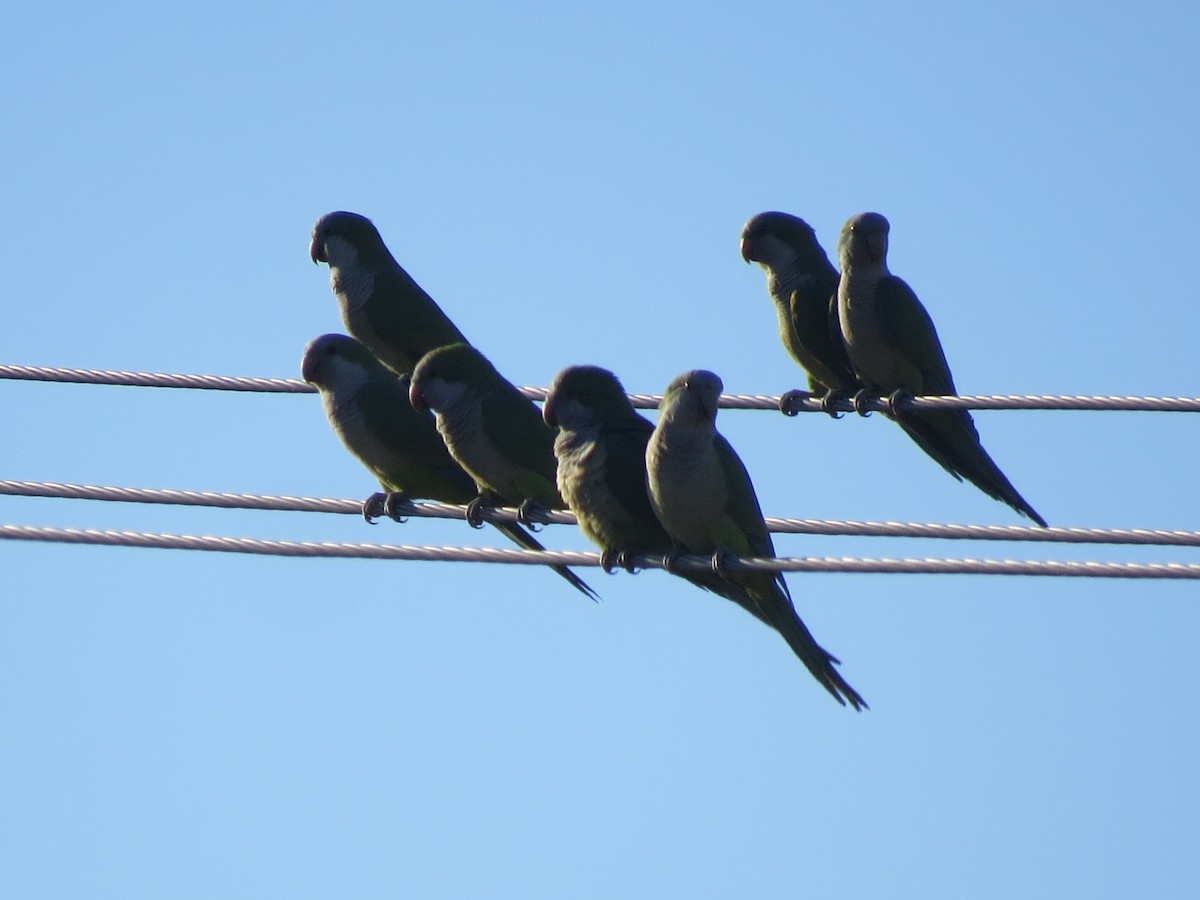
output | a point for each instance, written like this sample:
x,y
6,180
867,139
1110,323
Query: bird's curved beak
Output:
x,y
416,398
548,414
316,251
747,250
308,368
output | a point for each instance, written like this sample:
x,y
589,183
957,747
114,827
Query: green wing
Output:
x,y
908,327
948,436
813,318
741,506
767,595
407,453
515,428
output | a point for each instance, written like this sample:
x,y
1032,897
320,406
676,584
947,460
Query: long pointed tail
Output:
x,y
951,440
821,663
710,581
527,541
777,608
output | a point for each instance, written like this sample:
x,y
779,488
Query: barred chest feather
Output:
x,y
859,317
346,417
353,286
581,469
691,490
461,427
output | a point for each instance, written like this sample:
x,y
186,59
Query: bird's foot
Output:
x,y
862,402
790,403
626,560
670,562
476,508
897,399
829,403
397,506
533,515
611,560
373,507
721,558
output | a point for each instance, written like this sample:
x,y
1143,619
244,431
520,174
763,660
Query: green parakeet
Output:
x,y
895,350
380,303
490,428
601,450
702,494
803,287
369,410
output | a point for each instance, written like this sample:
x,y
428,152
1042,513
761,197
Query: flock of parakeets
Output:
x,y
432,419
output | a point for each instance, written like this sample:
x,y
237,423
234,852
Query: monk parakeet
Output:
x,y
702,494
490,428
895,350
369,410
803,286
601,450
380,303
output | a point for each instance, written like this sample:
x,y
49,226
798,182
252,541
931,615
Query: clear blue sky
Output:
x,y
570,184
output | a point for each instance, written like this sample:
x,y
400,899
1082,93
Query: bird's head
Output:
x,y
692,398
344,238
864,240
585,395
445,375
331,357
770,238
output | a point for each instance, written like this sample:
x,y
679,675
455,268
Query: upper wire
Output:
x,y
804,403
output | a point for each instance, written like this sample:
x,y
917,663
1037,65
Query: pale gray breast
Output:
x,y
353,287
870,352
785,277
461,427
688,489
346,417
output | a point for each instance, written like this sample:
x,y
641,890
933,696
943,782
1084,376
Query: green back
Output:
x,y
909,328
407,320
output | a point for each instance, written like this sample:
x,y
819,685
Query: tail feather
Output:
x,y
951,440
522,538
820,662
778,611
710,581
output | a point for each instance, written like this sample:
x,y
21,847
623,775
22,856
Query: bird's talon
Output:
x,y
720,560
670,562
373,507
532,514
626,560
897,398
790,403
395,505
475,510
609,561
862,402
829,404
